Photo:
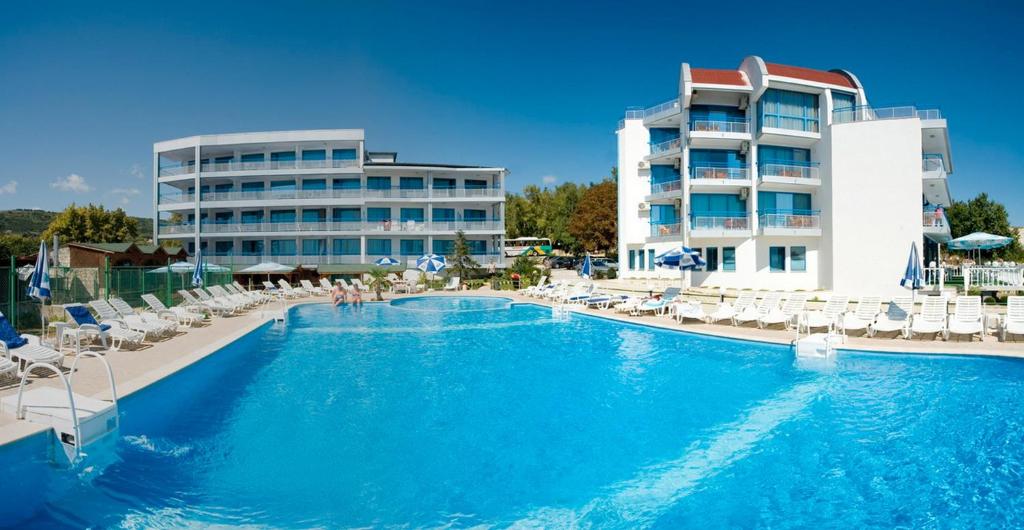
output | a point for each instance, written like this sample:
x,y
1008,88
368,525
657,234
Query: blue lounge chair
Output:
x,y
23,349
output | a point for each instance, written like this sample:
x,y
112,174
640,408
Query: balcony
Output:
x,y
177,170
788,174
669,189
666,231
718,134
790,222
936,226
665,114
666,149
935,183
368,227
631,114
717,178
869,113
712,224
271,165
355,193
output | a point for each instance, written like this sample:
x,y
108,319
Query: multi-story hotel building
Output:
x,y
318,198
784,178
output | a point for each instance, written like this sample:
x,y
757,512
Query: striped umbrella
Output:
x,y
587,268
682,258
431,263
39,284
197,275
387,261
913,278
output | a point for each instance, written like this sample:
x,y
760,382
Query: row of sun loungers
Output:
x,y
789,311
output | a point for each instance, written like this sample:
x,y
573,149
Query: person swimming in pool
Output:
x,y
357,297
338,294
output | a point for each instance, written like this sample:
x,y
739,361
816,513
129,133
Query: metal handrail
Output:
x,y
20,413
666,187
782,169
718,172
869,113
790,220
662,107
732,222
723,126
667,145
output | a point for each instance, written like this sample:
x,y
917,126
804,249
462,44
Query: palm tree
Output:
x,y
379,281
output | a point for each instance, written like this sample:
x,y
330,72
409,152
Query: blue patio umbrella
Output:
x,y
387,261
587,268
913,277
682,258
197,275
431,263
39,284
979,241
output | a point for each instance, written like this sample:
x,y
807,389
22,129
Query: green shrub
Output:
x,y
612,274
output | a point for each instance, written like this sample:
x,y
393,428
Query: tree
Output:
x,y
15,245
462,263
982,214
593,223
93,224
379,281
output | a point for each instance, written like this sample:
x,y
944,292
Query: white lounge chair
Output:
x,y
726,311
828,317
271,288
605,300
787,315
657,306
628,305
23,350
213,306
1013,321
185,317
241,301
167,326
754,313
87,328
236,306
932,318
453,284
863,315
313,289
358,284
256,297
577,294
107,312
689,310
968,318
896,317
325,284
527,290
296,291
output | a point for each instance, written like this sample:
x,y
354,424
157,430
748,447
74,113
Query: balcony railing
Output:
x,y
789,170
720,126
795,219
932,163
335,226
718,172
935,219
667,106
176,170
667,145
719,222
666,187
354,193
666,229
259,165
868,113
631,114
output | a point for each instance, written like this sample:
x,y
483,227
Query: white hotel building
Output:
x,y
318,198
784,178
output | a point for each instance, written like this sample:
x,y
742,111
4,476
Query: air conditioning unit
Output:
x,y
644,206
643,164
743,103
744,193
744,147
677,163
678,203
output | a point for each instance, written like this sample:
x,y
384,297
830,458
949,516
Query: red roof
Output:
x,y
717,77
808,74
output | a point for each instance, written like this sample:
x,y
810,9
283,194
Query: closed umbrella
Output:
x,y
913,277
197,275
39,285
587,268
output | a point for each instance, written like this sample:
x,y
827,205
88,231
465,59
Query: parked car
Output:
x,y
561,262
602,265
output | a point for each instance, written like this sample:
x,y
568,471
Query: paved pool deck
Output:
x,y
137,369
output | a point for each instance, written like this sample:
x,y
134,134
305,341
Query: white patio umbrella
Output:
x,y
268,268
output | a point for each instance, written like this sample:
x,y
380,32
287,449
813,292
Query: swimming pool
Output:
x,y
463,411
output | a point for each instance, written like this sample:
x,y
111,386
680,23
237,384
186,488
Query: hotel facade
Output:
x,y
317,198
783,178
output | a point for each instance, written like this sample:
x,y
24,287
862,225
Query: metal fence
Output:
x,y
70,285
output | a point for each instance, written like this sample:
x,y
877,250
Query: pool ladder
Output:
x,y
77,420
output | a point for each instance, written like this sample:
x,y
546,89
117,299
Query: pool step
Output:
x,y
50,406
818,345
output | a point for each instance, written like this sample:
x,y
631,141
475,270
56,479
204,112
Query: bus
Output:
x,y
527,246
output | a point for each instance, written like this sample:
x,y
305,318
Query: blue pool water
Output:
x,y
473,411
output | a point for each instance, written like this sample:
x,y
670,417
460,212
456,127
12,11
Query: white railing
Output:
x,y
718,173
994,278
720,126
866,113
936,220
668,106
666,187
666,146
258,165
774,169
178,170
790,221
357,193
631,114
666,229
336,226
719,223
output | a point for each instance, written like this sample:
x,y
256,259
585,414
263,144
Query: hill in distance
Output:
x,y
34,222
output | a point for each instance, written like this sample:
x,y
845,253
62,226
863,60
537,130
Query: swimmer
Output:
x,y
338,294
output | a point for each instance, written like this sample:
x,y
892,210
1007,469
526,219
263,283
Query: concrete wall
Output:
x,y
634,184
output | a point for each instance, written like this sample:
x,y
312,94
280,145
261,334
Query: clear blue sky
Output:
x,y
532,86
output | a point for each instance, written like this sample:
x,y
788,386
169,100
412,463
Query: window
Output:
x,y
223,159
716,164
314,247
444,184
314,215
650,259
411,247
314,184
282,156
474,215
282,185
790,156
223,188
345,184
798,259
661,134
252,247
842,100
252,186
411,183
632,259
411,214
343,154
443,247
477,246
254,216
711,257
315,154
282,216
443,214
252,157
346,247
475,184
376,215
784,109
729,259
777,259
282,247
640,260
664,214
709,117
223,217
717,204
346,215
378,247
781,202
378,183
223,248
661,173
